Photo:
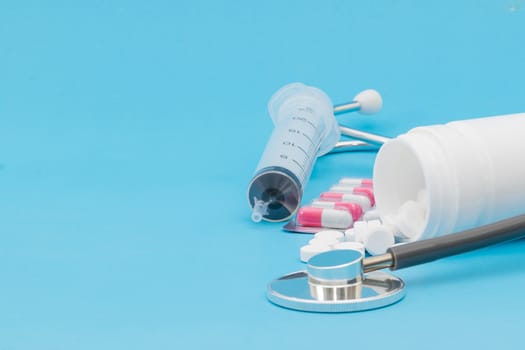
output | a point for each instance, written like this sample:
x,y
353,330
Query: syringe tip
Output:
x,y
256,217
370,101
260,208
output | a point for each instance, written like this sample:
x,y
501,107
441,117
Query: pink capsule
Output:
x,y
324,217
359,198
367,191
367,183
353,208
356,182
342,188
364,191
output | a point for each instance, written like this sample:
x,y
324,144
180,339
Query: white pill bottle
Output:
x,y
471,172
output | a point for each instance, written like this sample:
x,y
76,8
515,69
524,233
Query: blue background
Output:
x,y
129,131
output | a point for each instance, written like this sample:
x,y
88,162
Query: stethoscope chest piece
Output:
x,y
334,282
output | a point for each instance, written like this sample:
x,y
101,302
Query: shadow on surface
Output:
x,y
503,260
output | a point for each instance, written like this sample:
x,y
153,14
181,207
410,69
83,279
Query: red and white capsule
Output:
x,y
342,188
353,208
364,191
350,181
359,198
325,217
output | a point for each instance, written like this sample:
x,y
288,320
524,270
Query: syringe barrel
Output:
x,y
304,128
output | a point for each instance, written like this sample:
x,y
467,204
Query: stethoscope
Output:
x,y
366,102
345,281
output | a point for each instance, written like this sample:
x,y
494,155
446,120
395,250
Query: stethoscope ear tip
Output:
x,y
370,100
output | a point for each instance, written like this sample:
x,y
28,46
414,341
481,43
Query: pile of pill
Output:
x,y
347,219
372,236
328,240
339,208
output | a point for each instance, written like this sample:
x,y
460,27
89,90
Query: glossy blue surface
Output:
x,y
129,131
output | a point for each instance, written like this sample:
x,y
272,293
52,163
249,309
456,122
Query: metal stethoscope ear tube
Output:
x,y
344,281
364,141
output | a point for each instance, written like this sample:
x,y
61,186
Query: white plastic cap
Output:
x,y
260,208
370,100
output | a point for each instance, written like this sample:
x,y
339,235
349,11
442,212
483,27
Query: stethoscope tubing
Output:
x,y
424,251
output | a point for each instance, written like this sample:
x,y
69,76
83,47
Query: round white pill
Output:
x,y
323,241
390,219
360,230
378,240
394,229
310,250
330,235
373,224
350,235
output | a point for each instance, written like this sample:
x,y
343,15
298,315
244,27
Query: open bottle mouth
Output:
x,y
400,187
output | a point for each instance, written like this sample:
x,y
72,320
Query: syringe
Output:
x,y
305,128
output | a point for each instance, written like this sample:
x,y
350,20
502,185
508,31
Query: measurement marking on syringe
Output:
x,y
299,165
304,151
303,119
311,124
308,138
